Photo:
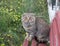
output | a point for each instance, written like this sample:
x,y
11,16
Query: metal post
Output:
x,y
51,10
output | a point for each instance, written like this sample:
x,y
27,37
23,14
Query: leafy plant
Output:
x,y
11,30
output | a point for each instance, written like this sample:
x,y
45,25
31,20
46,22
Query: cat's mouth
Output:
x,y
29,27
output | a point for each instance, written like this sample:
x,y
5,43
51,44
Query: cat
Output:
x,y
35,27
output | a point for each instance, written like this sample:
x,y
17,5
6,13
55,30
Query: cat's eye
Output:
x,y
25,19
31,19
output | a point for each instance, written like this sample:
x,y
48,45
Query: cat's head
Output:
x,y
28,20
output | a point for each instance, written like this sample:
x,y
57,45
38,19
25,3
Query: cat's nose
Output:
x,y
40,37
28,25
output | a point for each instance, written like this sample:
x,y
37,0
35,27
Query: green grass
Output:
x,y
11,30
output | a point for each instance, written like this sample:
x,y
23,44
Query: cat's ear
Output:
x,y
22,16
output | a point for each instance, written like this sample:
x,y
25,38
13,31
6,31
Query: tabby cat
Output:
x,y
35,27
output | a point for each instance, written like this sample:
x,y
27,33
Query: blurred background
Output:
x,y
11,30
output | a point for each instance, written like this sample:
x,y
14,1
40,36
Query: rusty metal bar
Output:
x,y
55,31
42,44
34,43
25,43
